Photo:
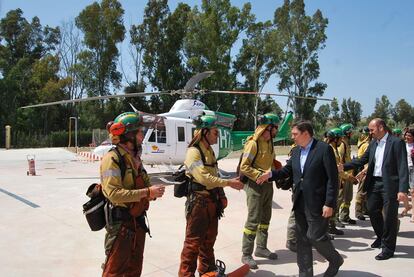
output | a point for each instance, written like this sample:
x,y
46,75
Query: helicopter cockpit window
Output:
x,y
161,136
181,134
158,134
152,136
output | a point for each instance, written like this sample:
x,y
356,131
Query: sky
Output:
x,y
369,49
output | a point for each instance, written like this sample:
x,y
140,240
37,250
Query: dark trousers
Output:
x,y
383,212
126,255
311,230
200,236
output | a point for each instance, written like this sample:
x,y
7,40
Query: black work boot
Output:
x,y
248,259
265,253
291,246
334,231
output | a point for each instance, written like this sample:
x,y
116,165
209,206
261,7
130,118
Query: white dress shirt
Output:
x,y
379,156
409,147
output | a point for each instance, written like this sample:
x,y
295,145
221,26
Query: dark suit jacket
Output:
x,y
394,166
319,180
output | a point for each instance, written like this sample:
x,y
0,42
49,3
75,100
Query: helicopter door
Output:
x,y
182,139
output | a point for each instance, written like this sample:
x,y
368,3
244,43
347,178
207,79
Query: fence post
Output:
x,y
8,136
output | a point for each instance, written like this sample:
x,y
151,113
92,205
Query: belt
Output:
x,y
122,214
377,179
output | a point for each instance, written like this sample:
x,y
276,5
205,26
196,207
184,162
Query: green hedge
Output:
x,y
22,139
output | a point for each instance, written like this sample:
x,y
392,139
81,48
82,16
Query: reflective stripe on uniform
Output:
x,y
195,164
263,226
248,155
249,232
111,173
343,205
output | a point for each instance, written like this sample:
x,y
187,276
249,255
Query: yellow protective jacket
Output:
x,y
344,150
121,192
362,144
262,150
343,176
205,175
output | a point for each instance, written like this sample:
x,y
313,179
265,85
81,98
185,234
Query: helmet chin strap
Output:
x,y
204,135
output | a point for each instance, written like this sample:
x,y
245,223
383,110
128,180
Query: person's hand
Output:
x,y
340,167
156,191
361,175
236,184
353,180
402,196
327,212
263,178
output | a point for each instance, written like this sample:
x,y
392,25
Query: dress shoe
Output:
x,y
360,217
384,256
334,231
291,246
376,243
333,268
349,221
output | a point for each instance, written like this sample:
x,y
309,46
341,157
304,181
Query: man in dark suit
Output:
x,y
386,183
315,190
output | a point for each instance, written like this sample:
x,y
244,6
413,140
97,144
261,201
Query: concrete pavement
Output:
x,y
44,233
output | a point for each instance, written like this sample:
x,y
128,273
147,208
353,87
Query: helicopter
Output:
x,y
167,135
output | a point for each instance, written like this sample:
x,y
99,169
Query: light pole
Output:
x,y
76,131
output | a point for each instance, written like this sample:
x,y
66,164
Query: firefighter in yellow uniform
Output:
x,y
206,199
360,199
346,192
258,157
127,188
333,138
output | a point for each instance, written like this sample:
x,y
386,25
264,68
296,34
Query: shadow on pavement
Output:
x,y
264,273
353,273
346,245
357,233
404,251
406,234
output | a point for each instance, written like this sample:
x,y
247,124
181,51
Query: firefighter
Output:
x,y
206,199
333,138
397,132
360,199
258,156
346,192
127,188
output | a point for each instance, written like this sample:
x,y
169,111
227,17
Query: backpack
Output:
x,y
242,177
94,209
183,188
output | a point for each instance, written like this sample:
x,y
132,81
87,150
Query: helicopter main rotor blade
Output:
x,y
268,93
190,85
135,94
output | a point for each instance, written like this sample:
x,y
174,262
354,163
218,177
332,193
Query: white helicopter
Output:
x,y
168,134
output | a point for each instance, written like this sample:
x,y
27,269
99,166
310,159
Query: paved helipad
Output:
x,y
44,233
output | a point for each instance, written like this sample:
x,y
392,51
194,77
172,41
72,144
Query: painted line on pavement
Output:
x,y
27,202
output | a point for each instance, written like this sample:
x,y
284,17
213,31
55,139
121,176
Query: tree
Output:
x,y
250,63
382,108
293,47
351,111
322,115
212,33
102,25
69,49
403,113
160,41
335,111
28,70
